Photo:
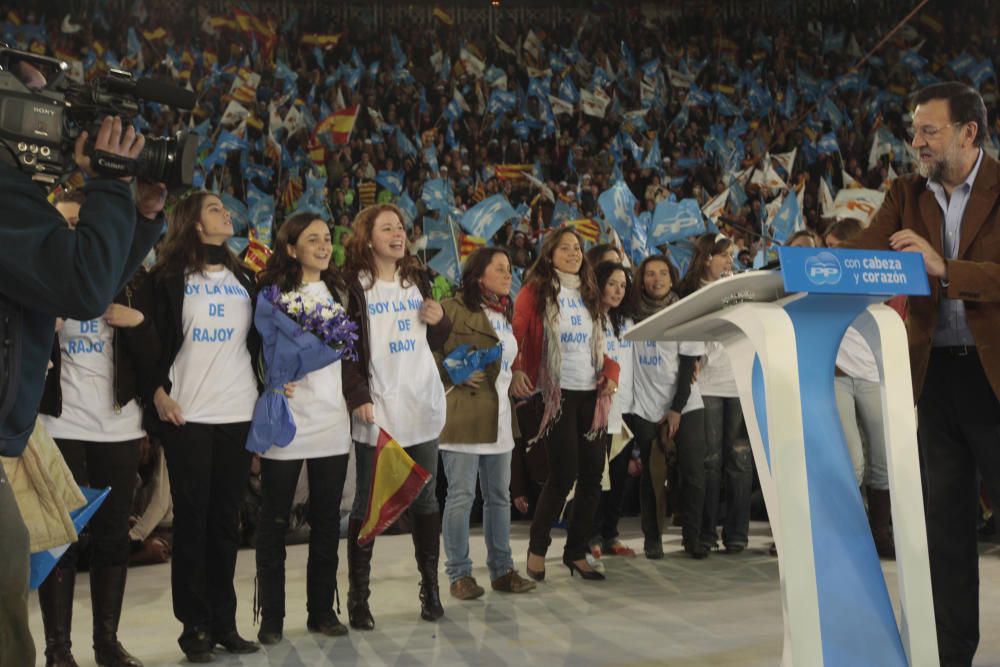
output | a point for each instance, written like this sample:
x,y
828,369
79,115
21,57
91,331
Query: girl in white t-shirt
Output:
x,y
478,437
561,352
394,385
301,263
90,408
203,386
615,283
667,395
729,455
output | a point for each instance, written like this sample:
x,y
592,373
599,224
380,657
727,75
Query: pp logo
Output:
x,y
823,269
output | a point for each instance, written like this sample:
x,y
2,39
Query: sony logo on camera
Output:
x,y
44,110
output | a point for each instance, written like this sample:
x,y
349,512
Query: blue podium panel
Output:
x,y
866,272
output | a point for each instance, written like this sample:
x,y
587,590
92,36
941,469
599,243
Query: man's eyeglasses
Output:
x,y
927,131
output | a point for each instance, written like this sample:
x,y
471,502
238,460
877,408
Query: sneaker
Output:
x,y
466,588
512,582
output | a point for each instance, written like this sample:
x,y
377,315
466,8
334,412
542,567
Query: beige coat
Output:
x,y
472,413
45,491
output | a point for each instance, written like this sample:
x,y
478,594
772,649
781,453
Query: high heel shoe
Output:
x,y
589,575
537,575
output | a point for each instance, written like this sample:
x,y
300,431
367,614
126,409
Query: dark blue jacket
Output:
x,y
48,270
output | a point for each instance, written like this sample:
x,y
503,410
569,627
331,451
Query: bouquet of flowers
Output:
x,y
300,334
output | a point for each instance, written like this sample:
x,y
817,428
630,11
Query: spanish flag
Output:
x,y
256,254
155,35
444,17
396,482
343,124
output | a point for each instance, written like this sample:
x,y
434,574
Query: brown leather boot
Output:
x,y
55,597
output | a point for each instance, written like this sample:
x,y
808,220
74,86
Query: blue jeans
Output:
x,y
494,479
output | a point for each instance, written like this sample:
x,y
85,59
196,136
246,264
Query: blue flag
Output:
x,y
913,60
406,146
982,72
828,144
465,360
431,158
653,159
446,263
675,220
438,233
436,195
391,181
681,253
563,213
568,90
637,246
501,101
788,219
487,217
618,205
408,207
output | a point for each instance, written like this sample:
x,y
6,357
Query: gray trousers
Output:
x,y
16,645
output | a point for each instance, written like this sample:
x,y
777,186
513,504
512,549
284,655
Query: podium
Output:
x,y
781,330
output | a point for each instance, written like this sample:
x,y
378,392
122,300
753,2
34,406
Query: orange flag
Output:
x,y
396,482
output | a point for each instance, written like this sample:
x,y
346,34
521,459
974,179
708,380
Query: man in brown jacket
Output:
x,y
950,213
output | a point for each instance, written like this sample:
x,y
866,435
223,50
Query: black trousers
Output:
x,y
958,431
572,458
326,486
209,468
100,465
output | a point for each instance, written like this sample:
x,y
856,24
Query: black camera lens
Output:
x,y
169,160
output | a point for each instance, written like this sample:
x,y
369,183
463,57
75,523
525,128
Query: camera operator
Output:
x,y
49,270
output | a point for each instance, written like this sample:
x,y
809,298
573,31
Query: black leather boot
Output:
x,y
55,597
880,520
271,602
427,550
359,568
107,590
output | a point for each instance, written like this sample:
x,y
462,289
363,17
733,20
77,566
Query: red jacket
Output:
x,y
529,332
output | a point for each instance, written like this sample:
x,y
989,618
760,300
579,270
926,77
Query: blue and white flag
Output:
x,y
653,159
618,206
568,90
406,146
636,243
681,253
724,106
982,72
465,360
962,65
830,111
408,207
601,79
913,60
431,158
675,220
391,181
487,217
563,213
446,263
437,195
788,219
501,101
438,233
828,144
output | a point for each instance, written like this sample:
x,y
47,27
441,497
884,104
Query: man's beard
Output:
x,y
943,167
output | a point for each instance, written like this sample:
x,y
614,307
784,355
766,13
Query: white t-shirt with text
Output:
x,y
212,375
406,388
322,422
655,377
576,370
87,384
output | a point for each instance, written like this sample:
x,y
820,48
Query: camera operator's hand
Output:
x,y
167,408
150,198
110,139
